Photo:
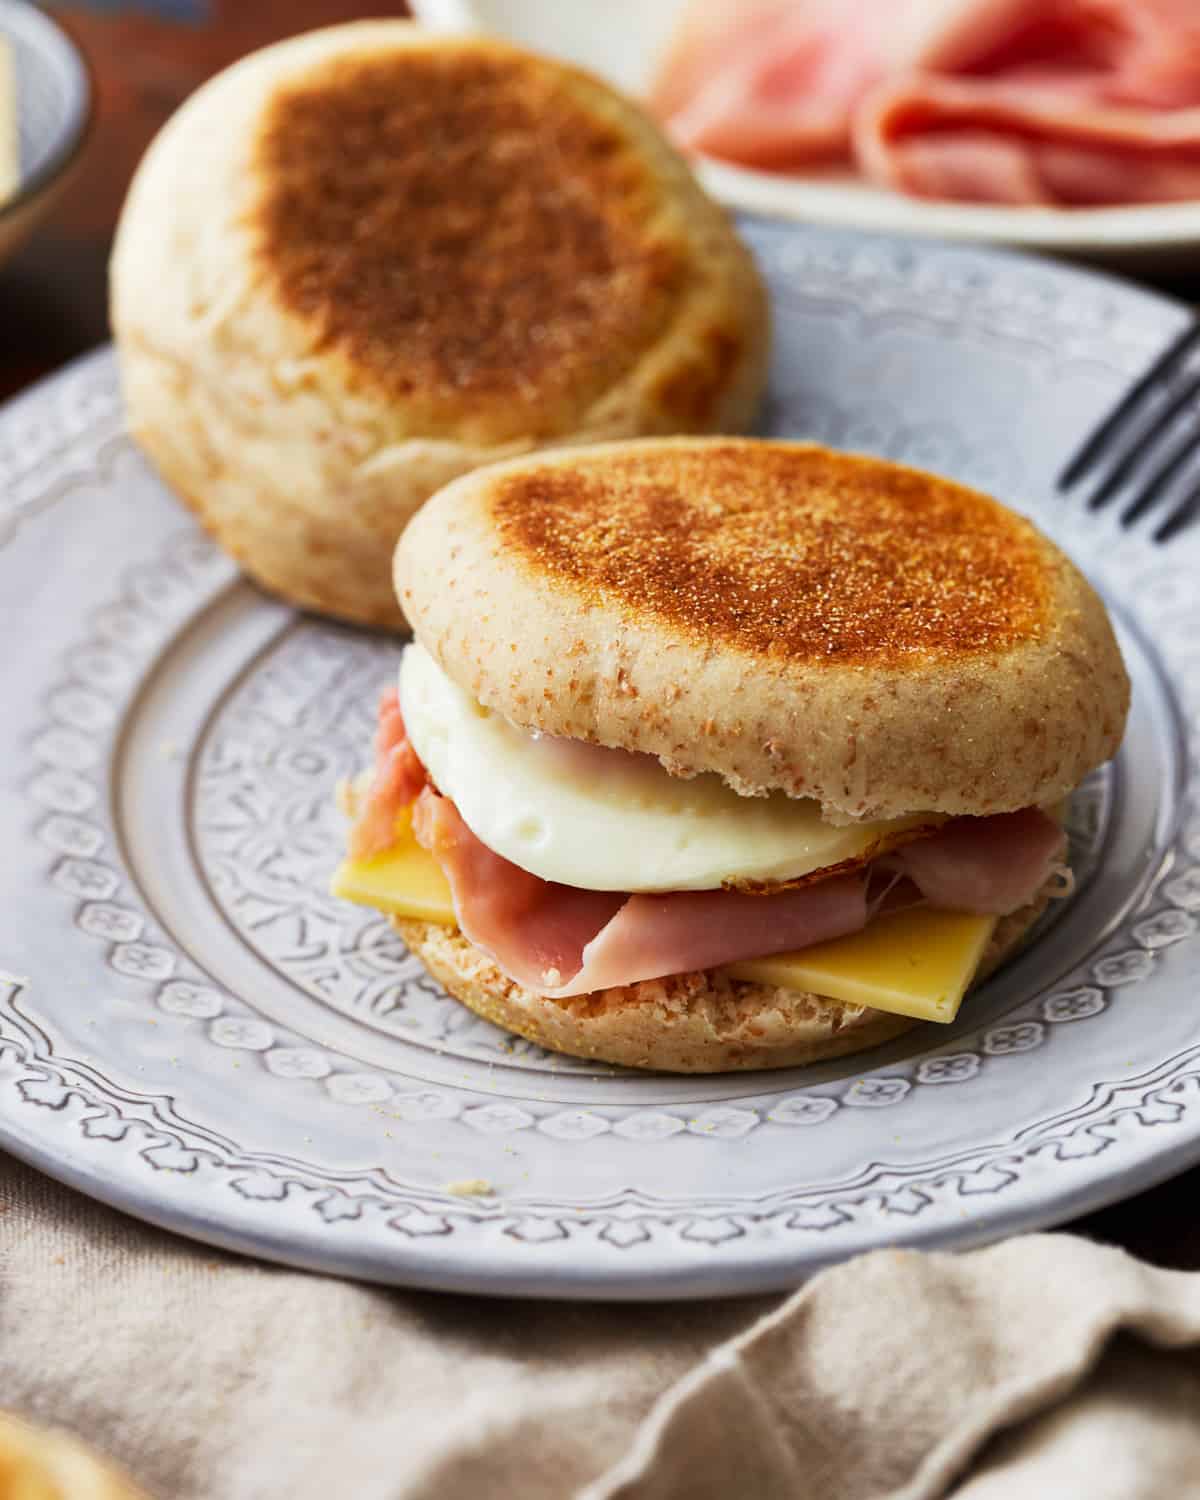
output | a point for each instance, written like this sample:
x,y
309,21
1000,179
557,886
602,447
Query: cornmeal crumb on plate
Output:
x,y
469,1187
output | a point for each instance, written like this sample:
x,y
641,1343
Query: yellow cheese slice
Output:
x,y
915,963
10,171
404,881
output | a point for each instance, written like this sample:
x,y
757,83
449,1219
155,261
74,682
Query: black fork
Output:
x,y
1142,447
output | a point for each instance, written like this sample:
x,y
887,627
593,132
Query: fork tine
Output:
x,y
1150,434
1159,479
1174,354
1177,518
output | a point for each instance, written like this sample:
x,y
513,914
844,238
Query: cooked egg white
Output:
x,y
607,820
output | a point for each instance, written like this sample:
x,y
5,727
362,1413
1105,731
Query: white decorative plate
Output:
x,y
622,40
193,1030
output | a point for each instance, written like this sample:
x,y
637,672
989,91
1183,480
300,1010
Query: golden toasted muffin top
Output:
x,y
373,257
466,224
824,624
801,552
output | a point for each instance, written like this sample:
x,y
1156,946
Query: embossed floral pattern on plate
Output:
x,y
192,1028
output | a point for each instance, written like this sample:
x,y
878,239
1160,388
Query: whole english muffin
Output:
x,y
43,1463
369,259
834,626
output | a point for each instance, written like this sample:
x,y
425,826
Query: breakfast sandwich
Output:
x,y
712,754
371,258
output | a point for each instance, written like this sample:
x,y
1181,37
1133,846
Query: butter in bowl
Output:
x,y
45,106
10,165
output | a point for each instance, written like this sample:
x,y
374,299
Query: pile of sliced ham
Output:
x,y
560,941
1071,103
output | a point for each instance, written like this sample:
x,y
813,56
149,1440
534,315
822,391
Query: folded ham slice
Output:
x,y
773,83
559,941
397,778
534,929
1022,102
1024,145
989,865
689,930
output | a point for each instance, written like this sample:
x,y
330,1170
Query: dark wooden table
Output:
x,y
52,307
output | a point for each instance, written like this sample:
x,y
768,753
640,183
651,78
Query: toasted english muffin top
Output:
x,y
787,551
830,625
467,222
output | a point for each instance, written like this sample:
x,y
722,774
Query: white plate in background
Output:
x,y
622,39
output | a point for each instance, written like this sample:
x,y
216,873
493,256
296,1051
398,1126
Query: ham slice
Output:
x,y
770,83
952,36
989,865
1022,102
397,778
1001,143
688,930
559,941
534,929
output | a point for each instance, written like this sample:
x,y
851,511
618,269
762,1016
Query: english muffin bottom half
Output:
x,y
716,754
368,259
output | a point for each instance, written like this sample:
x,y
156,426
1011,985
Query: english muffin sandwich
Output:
x,y
720,754
369,259
44,1463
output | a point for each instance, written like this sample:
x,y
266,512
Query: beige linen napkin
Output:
x,y
1045,1366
